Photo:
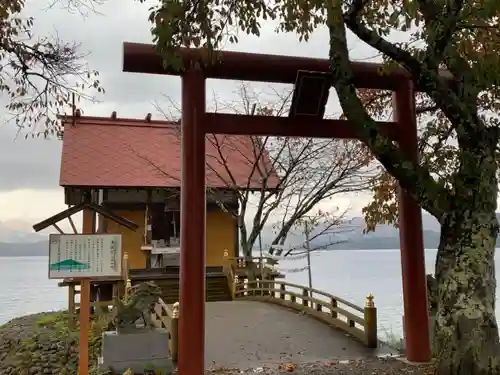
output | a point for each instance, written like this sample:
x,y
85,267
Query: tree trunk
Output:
x,y
466,339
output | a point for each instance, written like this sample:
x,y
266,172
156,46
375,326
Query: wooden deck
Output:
x,y
265,322
262,328
260,334
273,322
359,322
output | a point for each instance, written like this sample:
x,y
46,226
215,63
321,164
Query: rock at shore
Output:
x,y
43,344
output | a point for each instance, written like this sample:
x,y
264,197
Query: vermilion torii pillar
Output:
x,y
193,213
142,58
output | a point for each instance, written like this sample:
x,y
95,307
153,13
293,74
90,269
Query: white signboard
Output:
x,y
84,255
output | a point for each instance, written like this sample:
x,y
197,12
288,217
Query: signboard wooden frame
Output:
x,y
85,256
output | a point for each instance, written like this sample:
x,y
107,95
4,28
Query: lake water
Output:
x,y
350,274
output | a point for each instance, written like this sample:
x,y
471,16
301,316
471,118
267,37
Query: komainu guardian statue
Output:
x,y
138,306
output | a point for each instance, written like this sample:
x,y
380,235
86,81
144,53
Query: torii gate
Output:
x,y
312,84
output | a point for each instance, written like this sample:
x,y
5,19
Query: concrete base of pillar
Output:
x,y
432,320
143,351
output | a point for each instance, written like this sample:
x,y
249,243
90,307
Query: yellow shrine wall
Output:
x,y
131,240
221,234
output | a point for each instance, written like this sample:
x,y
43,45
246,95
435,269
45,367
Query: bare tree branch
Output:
x,y
40,75
284,177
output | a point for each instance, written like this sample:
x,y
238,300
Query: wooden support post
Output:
x,y
333,313
236,287
266,285
271,289
371,322
71,306
193,214
174,333
126,281
115,292
58,228
226,264
416,314
72,223
148,227
83,363
283,289
305,297
83,359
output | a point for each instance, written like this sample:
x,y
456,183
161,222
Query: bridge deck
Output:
x,y
248,334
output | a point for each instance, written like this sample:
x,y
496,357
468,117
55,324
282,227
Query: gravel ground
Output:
x,y
375,366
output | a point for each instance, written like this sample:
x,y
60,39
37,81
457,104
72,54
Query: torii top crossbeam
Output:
x,y
143,58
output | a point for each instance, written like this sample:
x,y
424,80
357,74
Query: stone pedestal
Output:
x,y
142,351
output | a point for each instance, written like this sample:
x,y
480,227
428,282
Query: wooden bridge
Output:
x,y
270,322
261,321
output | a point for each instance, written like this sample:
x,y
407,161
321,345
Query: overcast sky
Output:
x,y
29,169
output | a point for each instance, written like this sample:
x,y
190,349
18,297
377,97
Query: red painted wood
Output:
x,y
233,124
416,314
144,58
193,211
83,346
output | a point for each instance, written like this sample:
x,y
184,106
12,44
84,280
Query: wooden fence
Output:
x,y
262,267
229,269
167,317
359,322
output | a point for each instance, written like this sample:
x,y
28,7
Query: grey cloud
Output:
x,y
103,34
27,163
35,163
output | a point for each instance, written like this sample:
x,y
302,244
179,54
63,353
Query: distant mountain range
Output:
x,y
385,237
11,234
26,249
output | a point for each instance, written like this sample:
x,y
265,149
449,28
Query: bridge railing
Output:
x,y
241,262
167,317
360,322
229,267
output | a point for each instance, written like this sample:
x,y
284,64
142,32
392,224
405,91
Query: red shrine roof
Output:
x,y
107,152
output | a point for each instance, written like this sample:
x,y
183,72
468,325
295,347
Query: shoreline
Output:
x,y
42,344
